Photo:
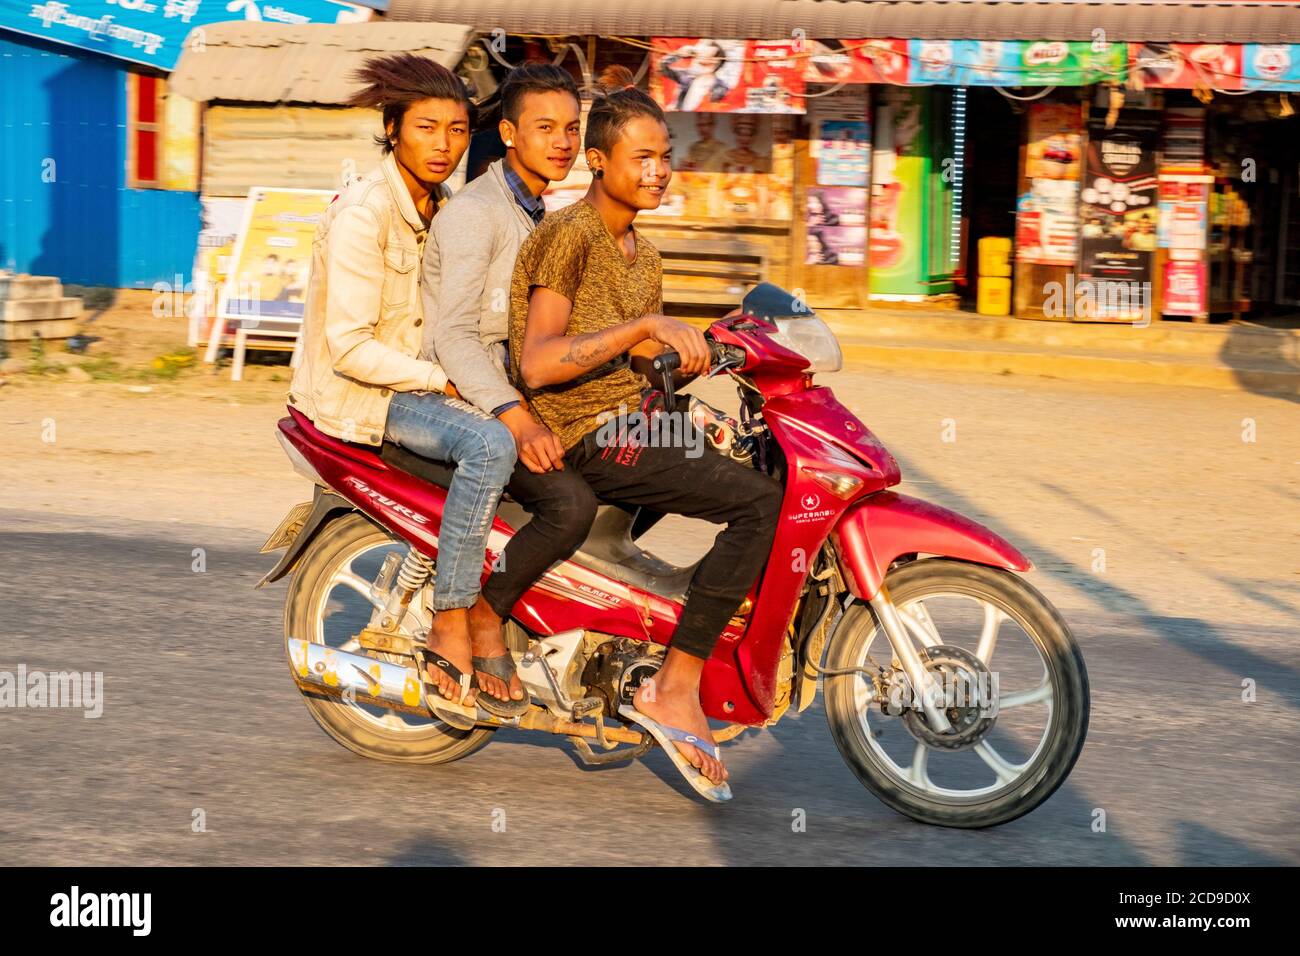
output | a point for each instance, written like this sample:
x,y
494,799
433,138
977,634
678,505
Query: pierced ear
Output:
x,y
594,160
507,131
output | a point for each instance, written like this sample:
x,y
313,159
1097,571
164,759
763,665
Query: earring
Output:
x,y
510,144
598,173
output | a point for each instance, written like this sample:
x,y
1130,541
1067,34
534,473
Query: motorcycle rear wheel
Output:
x,y
858,726
387,736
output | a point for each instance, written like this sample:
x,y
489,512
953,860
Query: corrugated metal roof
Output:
x,y
310,63
1168,21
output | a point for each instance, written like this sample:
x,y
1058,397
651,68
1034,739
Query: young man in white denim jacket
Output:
x,y
361,378
468,262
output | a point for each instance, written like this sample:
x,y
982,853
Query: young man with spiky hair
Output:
x,y
468,262
361,377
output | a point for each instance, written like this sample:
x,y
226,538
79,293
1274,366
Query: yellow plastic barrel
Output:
x,y
994,295
995,256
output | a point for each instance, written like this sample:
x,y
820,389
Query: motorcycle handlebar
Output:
x,y
669,361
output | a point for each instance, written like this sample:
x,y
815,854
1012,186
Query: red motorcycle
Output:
x,y
897,605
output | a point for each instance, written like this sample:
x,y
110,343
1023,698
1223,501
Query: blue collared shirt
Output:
x,y
530,204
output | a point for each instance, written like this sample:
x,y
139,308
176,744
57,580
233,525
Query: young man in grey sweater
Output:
x,y
469,258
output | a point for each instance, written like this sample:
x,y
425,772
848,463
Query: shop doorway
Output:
x,y
992,166
1254,238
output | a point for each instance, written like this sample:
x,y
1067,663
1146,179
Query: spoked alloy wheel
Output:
x,y
1019,711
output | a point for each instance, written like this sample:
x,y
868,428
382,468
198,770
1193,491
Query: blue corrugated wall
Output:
x,y
85,226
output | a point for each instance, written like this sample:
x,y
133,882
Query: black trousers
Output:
x,y
563,507
685,479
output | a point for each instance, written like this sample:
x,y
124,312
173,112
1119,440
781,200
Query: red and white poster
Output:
x,y
1185,66
727,76
857,61
1185,288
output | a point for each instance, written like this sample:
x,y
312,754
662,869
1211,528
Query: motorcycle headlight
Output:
x,y
813,339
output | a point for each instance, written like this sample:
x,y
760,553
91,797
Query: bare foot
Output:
x,y
487,640
681,708
449,639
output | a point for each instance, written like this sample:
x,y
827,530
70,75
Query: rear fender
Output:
x,y
878,530
324,508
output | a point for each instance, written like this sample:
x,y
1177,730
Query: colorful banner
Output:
x,y
1013,62
1185,66
727,76
272,258
1118,238
1223,66
153,31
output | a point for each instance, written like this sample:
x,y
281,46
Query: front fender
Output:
x,y
879,529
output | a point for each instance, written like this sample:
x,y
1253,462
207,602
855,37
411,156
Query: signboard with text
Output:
x,y
153,32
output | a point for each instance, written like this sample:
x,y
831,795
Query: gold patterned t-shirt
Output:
x,y
573,254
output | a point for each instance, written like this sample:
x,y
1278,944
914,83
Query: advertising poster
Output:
x,y
727,76
899,163
1055,141
857,61
709,143
1272,66
1185,66
841,131
272,258
1118,235
153,32
1185,288
835,220
1047,223
843,153
1184,229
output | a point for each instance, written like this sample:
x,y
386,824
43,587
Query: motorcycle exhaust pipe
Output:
x,y
325,670
334,673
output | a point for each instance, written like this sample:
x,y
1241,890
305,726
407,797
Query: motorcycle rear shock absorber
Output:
x,y
415,572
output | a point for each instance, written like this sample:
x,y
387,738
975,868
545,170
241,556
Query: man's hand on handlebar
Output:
x,y
684,339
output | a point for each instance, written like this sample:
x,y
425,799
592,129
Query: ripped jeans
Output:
x,y
435,426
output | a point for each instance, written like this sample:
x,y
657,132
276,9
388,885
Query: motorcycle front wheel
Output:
x,y
1007,754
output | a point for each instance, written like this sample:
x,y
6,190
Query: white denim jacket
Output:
x,y
362,325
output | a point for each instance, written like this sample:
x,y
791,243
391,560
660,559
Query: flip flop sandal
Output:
x,y
665,735
460,715
502,667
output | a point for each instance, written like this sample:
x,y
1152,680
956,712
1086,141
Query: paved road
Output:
x,y
200,712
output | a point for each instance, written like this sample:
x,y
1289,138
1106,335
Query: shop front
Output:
x,y
1136,166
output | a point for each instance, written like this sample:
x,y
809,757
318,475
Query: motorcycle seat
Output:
x,y
609,548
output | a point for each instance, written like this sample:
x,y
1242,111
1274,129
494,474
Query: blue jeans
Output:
x,y
446,429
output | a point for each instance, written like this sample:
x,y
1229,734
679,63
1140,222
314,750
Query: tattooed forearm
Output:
x,y
592,348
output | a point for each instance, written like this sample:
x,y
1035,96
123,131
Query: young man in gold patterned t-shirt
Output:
x,y
584,324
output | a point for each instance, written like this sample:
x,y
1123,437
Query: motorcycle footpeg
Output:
x,y
588,705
